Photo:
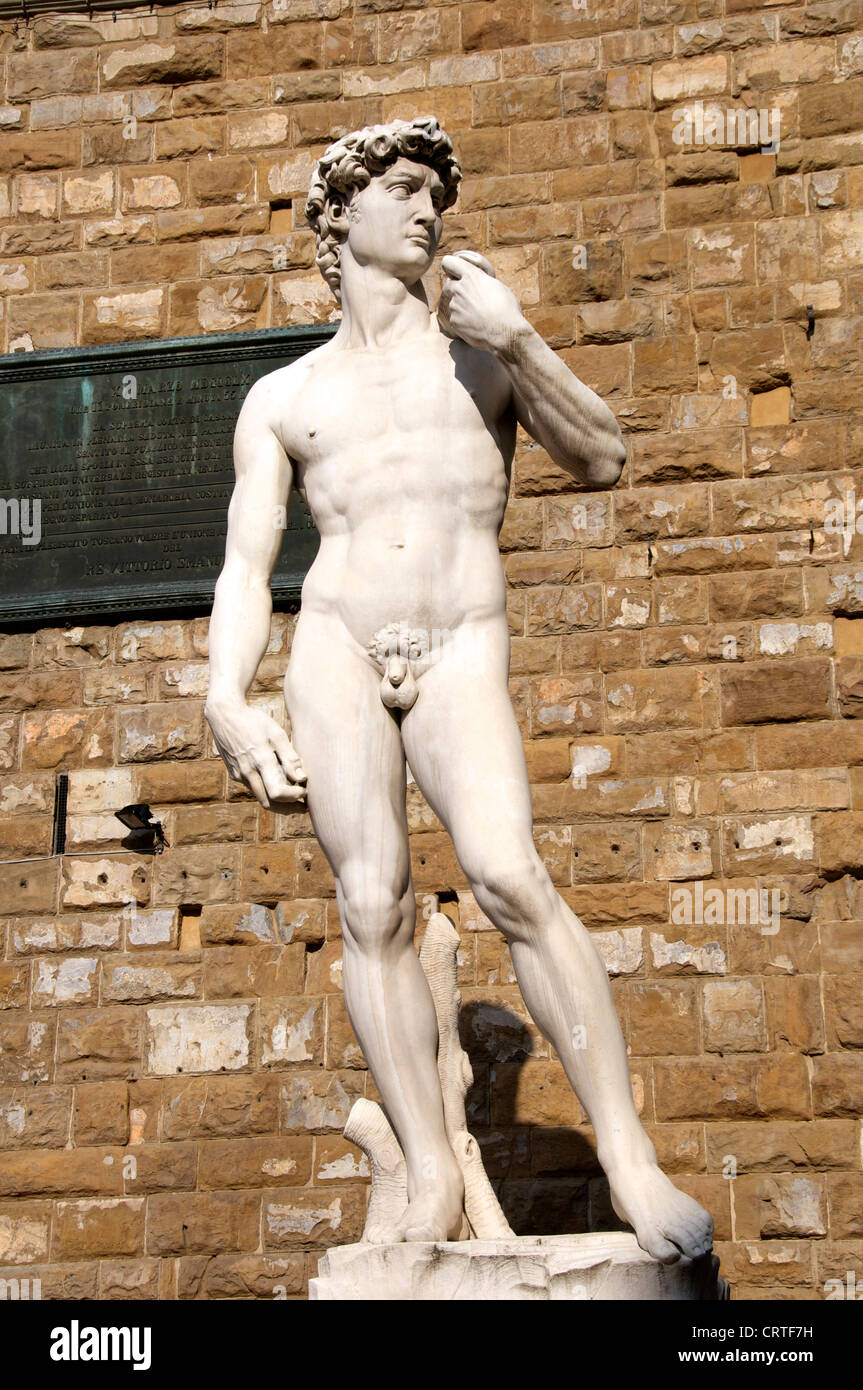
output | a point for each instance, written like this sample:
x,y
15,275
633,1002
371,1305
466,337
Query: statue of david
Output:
x,y
399,435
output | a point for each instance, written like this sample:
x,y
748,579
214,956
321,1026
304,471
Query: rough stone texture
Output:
x,y
687,650
606,1268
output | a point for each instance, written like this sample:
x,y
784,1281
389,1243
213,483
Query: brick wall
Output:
x,y
687,661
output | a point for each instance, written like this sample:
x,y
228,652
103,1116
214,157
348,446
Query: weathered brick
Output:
x,y
844,1016
318,1102
677,851
738,1089
33,75
30,887
63,1282
98,1226
844,1193
269,872
760,594
237,924
304,1219
195,874
101,1113
602,853
771,692
781,1145
198,1038
70,981
663,1018
639,700
288,48
161,1168
680,458
34,1117
129,1279
181,60
26,1172
208,1107
93,883
503,24
733,1016
98,1043
782,1206
26,1050
242,1276
146,979
238,972
696,77
202,1223
241,1163
168,782
24,1233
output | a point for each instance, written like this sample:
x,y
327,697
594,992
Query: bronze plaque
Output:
x,y
117,474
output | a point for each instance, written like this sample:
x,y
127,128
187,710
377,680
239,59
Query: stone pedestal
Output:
x,y
600,1266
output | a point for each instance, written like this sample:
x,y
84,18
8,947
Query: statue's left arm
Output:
x,y
567,418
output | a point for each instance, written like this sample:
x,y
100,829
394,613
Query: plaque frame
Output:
x,y
116,602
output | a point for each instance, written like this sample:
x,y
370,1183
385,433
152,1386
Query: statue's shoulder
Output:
x,y
288,381
483,371
277,396
278,400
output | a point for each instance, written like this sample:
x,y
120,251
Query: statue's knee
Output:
x,y
515,892
374,915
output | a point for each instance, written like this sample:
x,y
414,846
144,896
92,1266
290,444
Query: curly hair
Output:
x,y
351,162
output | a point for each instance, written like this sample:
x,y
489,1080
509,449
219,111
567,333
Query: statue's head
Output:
x,y
418,149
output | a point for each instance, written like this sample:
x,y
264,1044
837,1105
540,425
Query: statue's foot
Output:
x,y
383,1233
435,1212
667,1223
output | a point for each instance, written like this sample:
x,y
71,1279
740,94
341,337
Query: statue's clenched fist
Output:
x,y
475,306
258,752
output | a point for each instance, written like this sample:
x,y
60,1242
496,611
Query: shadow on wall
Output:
x,y
547,1179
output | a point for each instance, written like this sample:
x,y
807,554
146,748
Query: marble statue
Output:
x,y
399,434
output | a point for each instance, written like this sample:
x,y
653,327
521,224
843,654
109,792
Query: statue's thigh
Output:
x,y
351,750
465,750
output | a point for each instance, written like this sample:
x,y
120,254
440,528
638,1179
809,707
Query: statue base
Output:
x,y
604,1266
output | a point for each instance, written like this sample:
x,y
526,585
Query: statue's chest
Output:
x,y
369,399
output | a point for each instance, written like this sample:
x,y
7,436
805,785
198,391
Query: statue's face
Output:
x,y
395,221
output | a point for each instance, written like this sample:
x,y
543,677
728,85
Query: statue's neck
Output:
x,y
377,309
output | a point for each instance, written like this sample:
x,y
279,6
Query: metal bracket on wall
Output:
x,y
61,797
26,9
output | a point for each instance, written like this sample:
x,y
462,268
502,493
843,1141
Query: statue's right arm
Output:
x,y
256,750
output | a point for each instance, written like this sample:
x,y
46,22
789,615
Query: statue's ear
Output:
x,y
337,214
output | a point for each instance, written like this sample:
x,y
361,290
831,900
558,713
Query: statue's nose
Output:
x,y
426,213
